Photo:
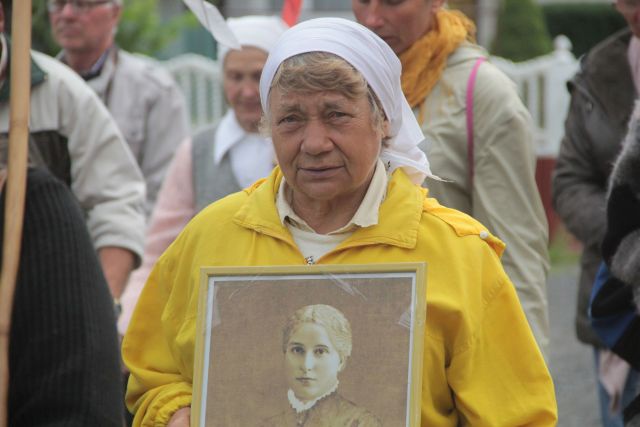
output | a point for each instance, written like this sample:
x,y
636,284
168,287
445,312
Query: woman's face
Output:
x,y
311,362
327,144
630,10
398,22
242,70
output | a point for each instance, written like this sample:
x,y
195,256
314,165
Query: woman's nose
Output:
x,y
249,90
316,140
373,16
308,362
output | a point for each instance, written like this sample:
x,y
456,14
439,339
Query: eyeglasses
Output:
x,y
77,6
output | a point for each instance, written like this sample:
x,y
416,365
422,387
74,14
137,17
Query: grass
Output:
x,y
564,249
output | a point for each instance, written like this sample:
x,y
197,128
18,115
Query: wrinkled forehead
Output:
x,y
355,44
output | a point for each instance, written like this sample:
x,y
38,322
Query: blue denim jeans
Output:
x,y
630,390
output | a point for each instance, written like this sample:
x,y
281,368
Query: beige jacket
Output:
x,y
504,197
150,111
82,146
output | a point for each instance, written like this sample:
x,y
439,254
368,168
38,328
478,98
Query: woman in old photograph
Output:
x,y
316,343
347,190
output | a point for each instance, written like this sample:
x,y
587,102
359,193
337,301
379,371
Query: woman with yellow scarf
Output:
x,y
479,135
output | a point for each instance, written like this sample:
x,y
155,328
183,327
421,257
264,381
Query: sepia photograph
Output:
x,y
321,345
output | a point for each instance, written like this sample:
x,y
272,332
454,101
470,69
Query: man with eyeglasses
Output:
x,y
602,98
143,98
81,145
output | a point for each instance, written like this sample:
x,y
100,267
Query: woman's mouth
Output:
x,y
320,172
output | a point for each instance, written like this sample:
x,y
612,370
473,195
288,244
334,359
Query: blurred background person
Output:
x,y
82,146
222,158
63,349
488,163
615,301
142,97
602,96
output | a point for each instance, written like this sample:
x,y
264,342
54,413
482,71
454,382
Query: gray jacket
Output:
x,y
602,96
149,109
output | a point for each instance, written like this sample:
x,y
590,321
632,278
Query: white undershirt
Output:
x,y
251,155
313,245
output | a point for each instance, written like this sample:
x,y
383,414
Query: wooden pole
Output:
x,y
20,78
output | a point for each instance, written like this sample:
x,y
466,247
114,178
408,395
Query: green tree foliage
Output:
x,y
142,30
141,27
522,33
585,24
41,38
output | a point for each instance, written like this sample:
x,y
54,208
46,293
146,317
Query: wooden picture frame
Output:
x,y
254,338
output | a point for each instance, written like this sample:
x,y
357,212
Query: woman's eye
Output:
x,y
234,77
288,119
297,350
321,351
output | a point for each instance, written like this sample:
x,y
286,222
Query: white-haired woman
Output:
x,y
220,159
316,342
347,191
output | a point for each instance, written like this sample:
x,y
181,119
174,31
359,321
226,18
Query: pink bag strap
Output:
x,y
471,84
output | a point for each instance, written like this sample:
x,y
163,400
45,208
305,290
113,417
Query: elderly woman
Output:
x,y
316,345
222,158
347,191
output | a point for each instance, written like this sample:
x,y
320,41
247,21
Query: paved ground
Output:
x,y
571,362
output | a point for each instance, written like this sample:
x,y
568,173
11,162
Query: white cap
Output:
x,y
257,31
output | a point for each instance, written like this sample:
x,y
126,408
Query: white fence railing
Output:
x,y
201,81
541,82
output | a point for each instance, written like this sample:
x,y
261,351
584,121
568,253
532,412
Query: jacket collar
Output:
x,y
37,74
101,74
466,52
228,134
606,74
399,215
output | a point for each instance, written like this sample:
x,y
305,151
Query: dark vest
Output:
x,y
210,182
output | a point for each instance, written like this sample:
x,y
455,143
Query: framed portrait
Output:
x,y
310,345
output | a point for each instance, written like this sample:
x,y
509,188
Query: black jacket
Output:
x,y
64,360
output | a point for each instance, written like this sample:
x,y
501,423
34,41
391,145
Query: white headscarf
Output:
x,y
257,31
381,68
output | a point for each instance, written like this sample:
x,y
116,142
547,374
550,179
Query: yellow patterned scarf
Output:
x,y
423,62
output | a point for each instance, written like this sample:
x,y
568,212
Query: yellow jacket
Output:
x,y
481,364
